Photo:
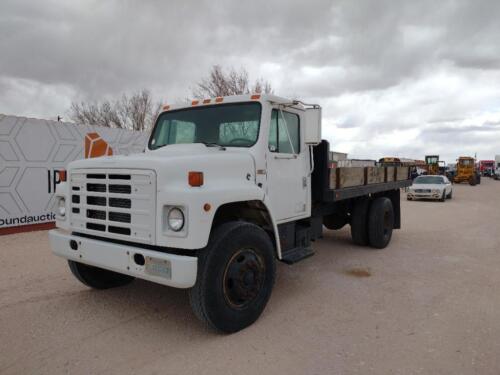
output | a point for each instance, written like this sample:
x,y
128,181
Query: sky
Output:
x,y
394,78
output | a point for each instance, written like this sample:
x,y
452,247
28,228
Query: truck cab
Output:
x,y
225,187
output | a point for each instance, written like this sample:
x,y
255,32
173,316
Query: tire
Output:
x,y
359,222
380,222
479,180
408,198
449,196
98,278
443,198
334,222
472,181
238,253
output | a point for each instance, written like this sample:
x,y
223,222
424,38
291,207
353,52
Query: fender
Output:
x,y
199,222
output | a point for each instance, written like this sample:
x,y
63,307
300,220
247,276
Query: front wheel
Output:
x,y
449,196
236,273
98,278
443,197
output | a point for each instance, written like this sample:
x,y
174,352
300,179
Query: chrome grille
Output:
x,y
115,203
422,190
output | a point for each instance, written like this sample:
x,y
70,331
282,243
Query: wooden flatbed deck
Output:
x,y
340,183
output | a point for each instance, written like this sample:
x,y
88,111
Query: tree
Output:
x,y
135,112
139,110
220,83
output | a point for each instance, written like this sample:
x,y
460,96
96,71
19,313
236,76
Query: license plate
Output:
x,y
158,267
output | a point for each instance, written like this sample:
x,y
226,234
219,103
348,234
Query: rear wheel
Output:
x,y
236,274
449,196
98,278
380,222
334,222
359,222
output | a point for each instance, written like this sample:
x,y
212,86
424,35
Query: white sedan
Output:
x,y
430,187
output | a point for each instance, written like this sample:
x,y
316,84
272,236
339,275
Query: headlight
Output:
x,y
435,191
61,206
175,219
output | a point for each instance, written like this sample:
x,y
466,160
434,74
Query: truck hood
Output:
x,y
177,160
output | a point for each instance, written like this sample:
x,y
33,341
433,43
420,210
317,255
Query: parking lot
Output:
x,y
428,304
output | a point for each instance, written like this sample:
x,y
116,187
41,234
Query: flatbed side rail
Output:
x,y
335,195
340,183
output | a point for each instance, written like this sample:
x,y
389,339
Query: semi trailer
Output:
x,y
487,168
225,188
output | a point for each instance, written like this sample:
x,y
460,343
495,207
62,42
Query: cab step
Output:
x,y
296,255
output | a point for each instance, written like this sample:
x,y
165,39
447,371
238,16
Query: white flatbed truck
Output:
x,y
225,188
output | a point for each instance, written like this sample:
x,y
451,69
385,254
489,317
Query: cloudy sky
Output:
x,y
404,78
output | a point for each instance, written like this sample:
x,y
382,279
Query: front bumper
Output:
x,y
120,258
413,195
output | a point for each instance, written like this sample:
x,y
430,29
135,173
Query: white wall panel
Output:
x,y
31,153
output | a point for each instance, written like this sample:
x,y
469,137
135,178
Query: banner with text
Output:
x,y
32,152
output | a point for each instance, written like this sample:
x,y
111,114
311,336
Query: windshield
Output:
x,y
429,180
466,161
233,125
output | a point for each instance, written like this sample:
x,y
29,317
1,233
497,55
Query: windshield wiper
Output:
x,y
213,144
160,146
208,144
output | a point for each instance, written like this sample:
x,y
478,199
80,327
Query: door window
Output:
x,y
284,132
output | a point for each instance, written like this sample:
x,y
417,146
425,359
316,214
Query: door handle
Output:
x,y
285,156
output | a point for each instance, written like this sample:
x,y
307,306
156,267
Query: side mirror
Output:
x,y
312,133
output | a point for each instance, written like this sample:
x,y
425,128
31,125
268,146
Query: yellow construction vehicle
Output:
x,y
466,171
432,162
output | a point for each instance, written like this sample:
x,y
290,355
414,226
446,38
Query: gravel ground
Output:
x,y
428,304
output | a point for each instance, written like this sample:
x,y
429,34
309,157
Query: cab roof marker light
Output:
x,y
255,97
166,107
219,99
195,102
206,101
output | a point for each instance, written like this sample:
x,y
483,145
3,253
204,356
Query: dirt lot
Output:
x,y
428,304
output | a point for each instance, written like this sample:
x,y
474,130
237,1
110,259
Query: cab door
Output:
x,y
287,167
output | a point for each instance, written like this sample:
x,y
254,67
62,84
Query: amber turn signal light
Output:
x,y
195,178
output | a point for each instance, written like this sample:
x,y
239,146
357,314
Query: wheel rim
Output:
x,y
243,278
